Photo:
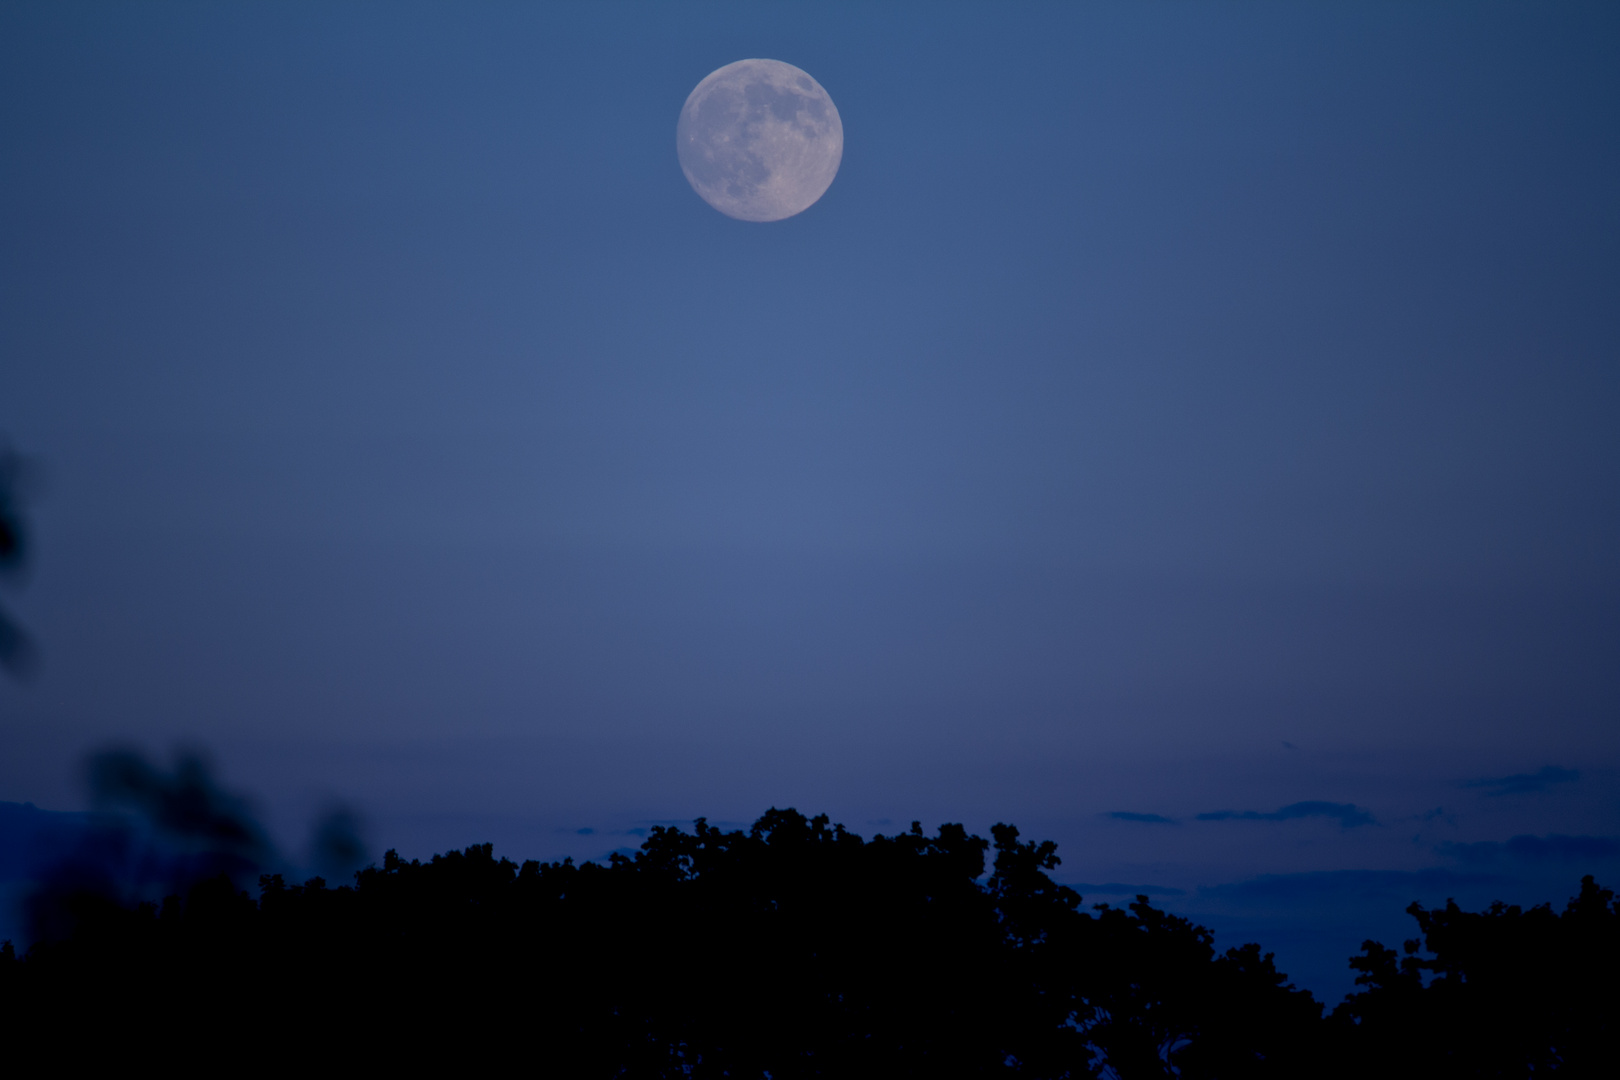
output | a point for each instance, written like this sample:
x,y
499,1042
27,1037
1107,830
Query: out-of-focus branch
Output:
x,y
17,650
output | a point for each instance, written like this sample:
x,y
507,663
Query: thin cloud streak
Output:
x,y
1348,815
1145,819
1118,888
1526,848
1525,783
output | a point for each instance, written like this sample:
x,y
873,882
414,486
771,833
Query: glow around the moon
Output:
x,y
760,140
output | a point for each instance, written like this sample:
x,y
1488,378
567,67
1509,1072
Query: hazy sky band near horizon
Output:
x,y
1154,387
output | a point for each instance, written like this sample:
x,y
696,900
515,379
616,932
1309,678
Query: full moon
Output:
x,y
759,140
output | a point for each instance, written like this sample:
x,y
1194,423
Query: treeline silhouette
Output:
x,y
794,949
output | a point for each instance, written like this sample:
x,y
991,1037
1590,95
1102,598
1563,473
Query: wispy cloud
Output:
x,y
1357,886
1145,819
1348,815
1525,783
1116,888
1552,848
590,830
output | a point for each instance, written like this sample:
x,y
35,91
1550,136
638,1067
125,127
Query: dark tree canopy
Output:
x,y
795,949
1501,992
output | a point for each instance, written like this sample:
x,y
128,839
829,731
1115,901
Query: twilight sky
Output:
x,y
1191,433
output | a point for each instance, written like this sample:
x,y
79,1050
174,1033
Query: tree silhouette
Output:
x,y
792,949
1500,992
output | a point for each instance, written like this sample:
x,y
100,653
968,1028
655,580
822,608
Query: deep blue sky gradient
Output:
x,y
1169,410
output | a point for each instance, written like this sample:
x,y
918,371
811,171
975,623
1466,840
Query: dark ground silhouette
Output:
x,y
795,949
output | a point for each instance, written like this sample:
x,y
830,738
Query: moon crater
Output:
x,y
759,140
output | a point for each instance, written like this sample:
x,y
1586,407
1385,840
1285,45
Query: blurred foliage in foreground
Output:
x,y
795,949
16,648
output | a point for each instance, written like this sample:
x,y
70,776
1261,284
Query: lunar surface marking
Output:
x,y
759,140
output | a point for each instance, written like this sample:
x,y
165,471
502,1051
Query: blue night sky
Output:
x,y
1189,432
